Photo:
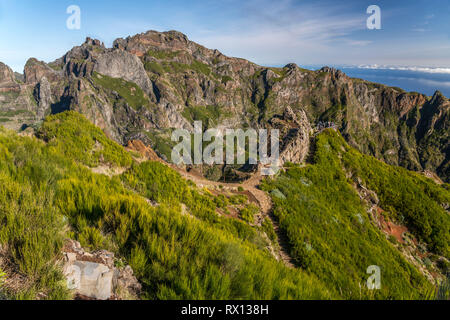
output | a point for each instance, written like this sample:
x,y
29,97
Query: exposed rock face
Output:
x,y
121,64
7,78
295,132
35,70
43,95
183,81
94,275
433,135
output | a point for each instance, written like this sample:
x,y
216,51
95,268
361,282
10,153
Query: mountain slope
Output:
x,y
185,241
154,82
167,229
342,212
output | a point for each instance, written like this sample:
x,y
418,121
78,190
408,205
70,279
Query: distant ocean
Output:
x,y
423,80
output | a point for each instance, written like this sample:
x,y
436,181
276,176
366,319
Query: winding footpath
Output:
x,y
281,252
281,249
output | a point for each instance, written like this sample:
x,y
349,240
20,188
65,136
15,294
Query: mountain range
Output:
x,y
153,82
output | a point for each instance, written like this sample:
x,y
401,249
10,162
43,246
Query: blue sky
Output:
x,y
307,32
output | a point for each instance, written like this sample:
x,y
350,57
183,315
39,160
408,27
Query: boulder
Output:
x,y
94,276
93,280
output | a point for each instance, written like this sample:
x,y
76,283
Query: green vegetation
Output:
x,y
182,248
30,225
162,143
154,67
281,73
209,115
267,227
9,96
201,67
444,289
13,113
47,194
177,67
163,54
226,79
56,66
248,213
333,236
74,136
129,91
406,196
2,282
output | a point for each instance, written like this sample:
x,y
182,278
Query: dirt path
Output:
x,y
250,186
263,199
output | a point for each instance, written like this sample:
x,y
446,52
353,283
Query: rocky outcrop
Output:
x,y
121,64
7,79
35,70
43,97
433,136
94,276
295,132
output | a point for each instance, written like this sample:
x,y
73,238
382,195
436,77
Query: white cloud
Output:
x,y
281,32
442,70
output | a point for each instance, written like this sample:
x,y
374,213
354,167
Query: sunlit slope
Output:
x,y
333,230
151,218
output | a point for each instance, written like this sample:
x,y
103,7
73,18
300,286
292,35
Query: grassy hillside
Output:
x,y
333,236
73,136
48,194
181,248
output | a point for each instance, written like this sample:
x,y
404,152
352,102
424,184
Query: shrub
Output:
x,y
129,91
2,279
73,136
248,213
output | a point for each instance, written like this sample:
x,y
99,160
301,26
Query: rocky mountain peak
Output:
x,y
161,80
35,70
141,43
94,42
333,71
438,98
291,66
177,46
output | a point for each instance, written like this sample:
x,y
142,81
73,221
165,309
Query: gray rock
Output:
x,y
43,95
93,280
94,276
121,64
6,76
295,133
35,70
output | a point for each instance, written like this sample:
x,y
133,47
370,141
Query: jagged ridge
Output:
x,y
167,81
